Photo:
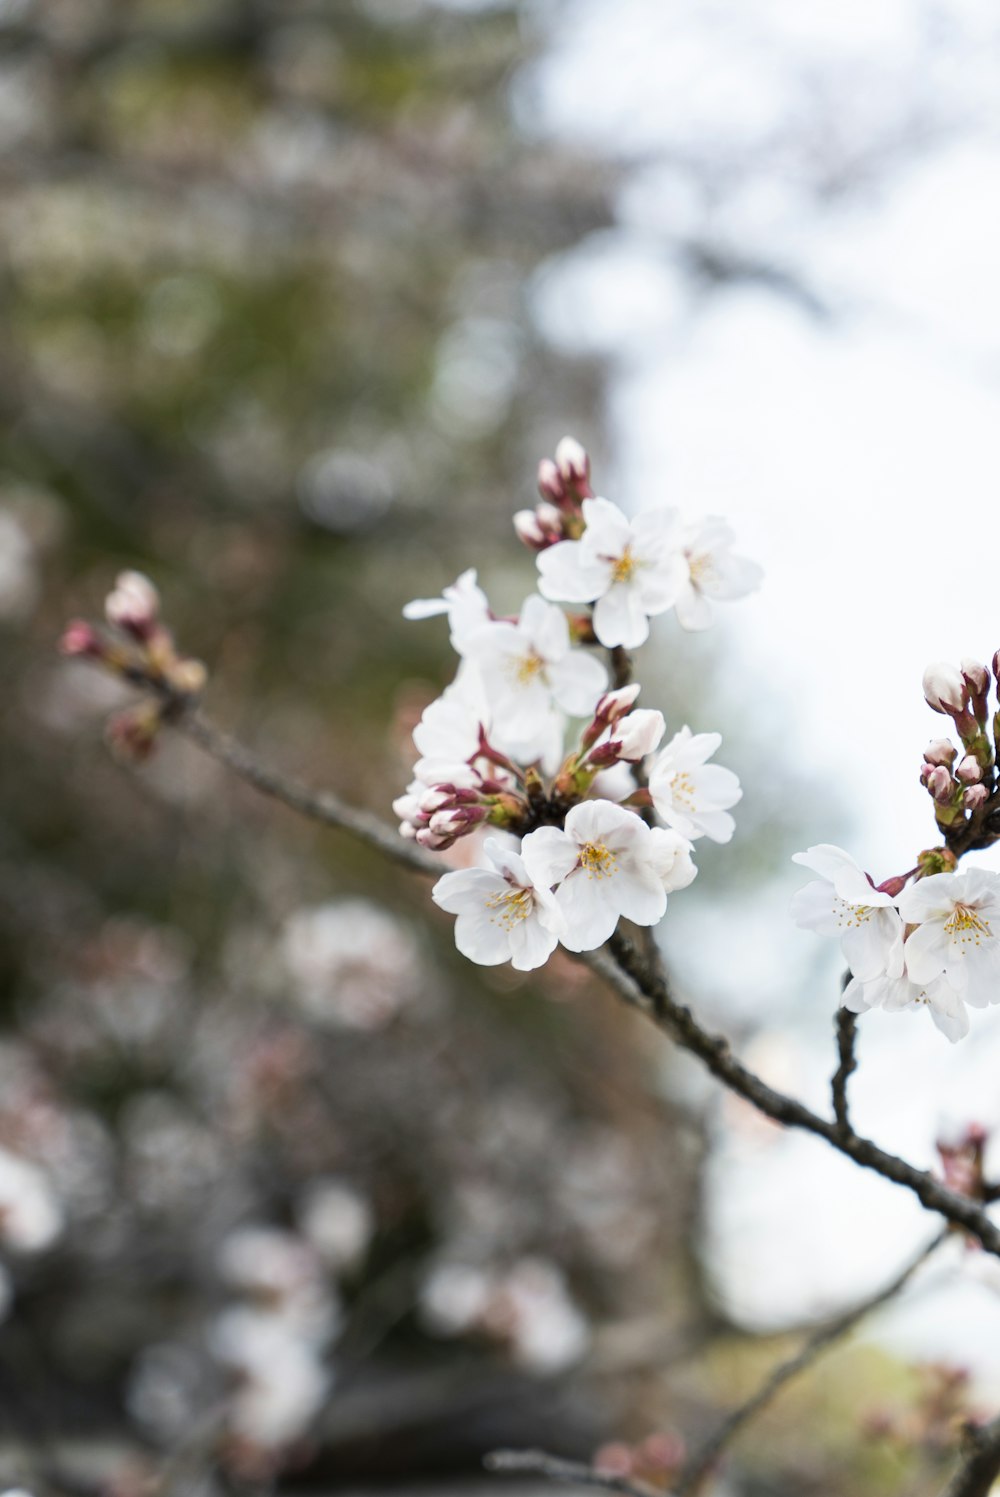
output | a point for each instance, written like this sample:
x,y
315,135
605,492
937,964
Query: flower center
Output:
x,y
967,927
852,915
700,568
624,566
526,667
598,861
511,908
682,788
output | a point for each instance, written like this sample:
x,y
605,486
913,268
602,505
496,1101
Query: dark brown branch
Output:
x,y
623,970
820,1341
980,1465
622,967
571,1473
847,1031
319,805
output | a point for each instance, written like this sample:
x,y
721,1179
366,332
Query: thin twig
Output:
x,y
623,968
571,1473
319,805
820,1341
980,1465
847,1030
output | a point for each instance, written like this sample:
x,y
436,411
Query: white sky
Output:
x,y
858,456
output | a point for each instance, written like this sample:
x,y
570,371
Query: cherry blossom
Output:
x,y
944,1005
463,601
691,795
632,569
528,668
606,864
504,914
843,902
957,916
713,572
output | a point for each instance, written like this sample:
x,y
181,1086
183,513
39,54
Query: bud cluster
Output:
x,y
563,485
960,781
137,646
615,735
438,814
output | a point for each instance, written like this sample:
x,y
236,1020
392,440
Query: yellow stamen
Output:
x,y
624,566
598,861
967,927
510,908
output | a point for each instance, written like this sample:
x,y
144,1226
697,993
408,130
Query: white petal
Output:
x,y
816,907
619,619
949,1013
425,608
482,938
718,825
577,681
694,611
642,900
925,950
608,531
929,897
590,915
598,821
565,576
466,889
855,996
531,944
549,855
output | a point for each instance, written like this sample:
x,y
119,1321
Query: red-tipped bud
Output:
x,y
970,771
134,605
550,484
614,704
974,797
939,783
944,687
81,638
996,666
572,463
893,886
633,737
529,531
940,751
977,677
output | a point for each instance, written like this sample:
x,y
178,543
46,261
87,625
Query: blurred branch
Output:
x,y
980,1462
318,805
572,1473
822,1339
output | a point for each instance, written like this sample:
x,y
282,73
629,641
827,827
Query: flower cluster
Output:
x,y
138,647
930,936
576,843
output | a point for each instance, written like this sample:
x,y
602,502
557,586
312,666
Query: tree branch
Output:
x,y
623,969
319,805
847,1030
572,1473
821,1340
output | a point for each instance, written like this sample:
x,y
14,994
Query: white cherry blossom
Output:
x,y
529,667
689,794
671,858
503,914
606,864
843,902
713,572
957,916
944,1005
631,569
463,601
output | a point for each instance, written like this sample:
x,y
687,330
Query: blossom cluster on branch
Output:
x,y
595,823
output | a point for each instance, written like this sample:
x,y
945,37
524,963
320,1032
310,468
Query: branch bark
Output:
x,y
980,1464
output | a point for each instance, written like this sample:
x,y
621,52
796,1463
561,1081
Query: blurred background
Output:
x,y
295,295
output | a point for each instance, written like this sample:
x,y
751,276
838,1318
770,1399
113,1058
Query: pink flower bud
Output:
x,y
638,734
939,783
529,531
940,751
974,797
550,484
977,677
614,704
944,687
572,462
996,666
970,771
80,638
134,605
132,734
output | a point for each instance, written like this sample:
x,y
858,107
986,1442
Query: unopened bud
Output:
x,y
638,734
550,484
614,704
996,666
188,677
529,531
81,638
936,860
940,751
974,797
977,677
134,605
939,783
572,462
132,734
944,687
970,771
